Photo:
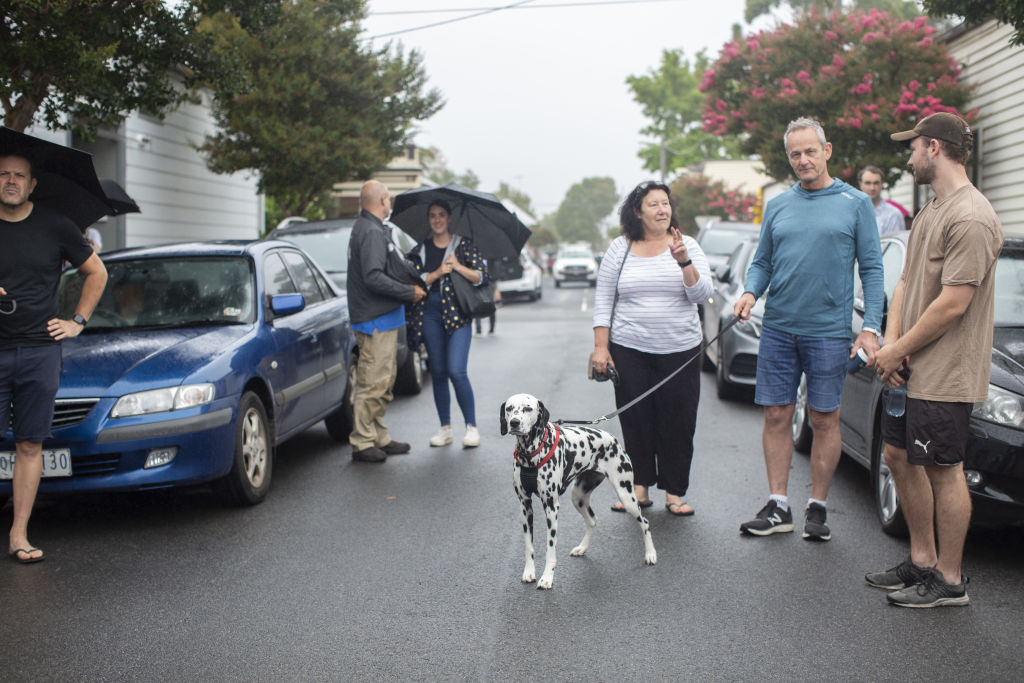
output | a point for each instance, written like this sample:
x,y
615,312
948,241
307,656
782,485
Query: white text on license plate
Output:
x,y
56,463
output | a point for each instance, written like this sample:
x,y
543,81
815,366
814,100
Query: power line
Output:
x,y
450,21
589,3
480,11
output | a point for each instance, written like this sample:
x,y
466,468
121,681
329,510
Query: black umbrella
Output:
x,y
66,180
480,216
117,198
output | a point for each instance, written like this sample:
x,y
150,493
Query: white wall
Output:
x,y
180,199
997,70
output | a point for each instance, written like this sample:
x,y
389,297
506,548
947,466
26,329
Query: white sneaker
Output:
x,y
472,437
443,437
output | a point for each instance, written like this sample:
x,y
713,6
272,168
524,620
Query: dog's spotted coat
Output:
x,y
584,454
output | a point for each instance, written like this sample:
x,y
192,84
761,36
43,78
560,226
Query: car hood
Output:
x,y
573,261
93,363
1008,358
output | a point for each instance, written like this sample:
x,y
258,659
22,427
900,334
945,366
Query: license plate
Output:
x,y
56,463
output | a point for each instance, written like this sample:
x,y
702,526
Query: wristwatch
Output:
x,y
687,262
871,330
77,317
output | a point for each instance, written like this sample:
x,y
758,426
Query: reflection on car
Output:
x,y
994,462
734,355
198,361
327,242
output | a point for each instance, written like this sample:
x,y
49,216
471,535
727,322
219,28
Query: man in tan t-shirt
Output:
x,y
940,320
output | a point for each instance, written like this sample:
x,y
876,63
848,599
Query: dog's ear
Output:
x,y
542,414
504,422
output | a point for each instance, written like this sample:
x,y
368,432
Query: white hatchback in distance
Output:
x,y
528,284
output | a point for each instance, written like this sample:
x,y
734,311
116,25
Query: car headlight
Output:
x,y
162,400
1002,407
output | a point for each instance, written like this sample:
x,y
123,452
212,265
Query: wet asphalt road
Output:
x,y
410,570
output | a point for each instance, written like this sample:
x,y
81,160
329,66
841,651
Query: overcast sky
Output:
x,y
537,97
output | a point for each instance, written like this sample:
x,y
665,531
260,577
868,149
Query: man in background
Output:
x,y
888,216
376,299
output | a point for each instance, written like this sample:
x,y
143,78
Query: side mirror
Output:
x,y
722,273
286,304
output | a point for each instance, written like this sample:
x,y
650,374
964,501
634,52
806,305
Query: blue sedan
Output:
x,y
199,359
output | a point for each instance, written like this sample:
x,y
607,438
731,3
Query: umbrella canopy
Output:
x,y
480,216
66,180
117,198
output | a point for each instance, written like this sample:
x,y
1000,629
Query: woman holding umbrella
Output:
x,y
438,322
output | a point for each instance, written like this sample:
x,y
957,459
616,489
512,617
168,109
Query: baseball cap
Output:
x,y
942,126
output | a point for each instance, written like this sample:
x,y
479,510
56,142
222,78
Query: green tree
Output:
x,y
585,207
83,64
518,197
542,236
1007,11
671,100
311,105
863,76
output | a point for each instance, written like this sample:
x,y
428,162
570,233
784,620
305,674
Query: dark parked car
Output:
x,y
327,242
718,239
994,464
734,355
198,361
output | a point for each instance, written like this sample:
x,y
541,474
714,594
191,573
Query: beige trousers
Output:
x,y
375,376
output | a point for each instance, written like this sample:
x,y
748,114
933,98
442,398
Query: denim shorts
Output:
x,y
782,357
29,377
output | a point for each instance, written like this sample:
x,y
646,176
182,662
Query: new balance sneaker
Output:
x,y
472,437
815,528
933,591
906,573
770,520
442,438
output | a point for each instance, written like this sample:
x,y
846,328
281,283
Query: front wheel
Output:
x,y
727,391
249,479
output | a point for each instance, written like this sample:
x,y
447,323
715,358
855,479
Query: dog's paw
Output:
x,y
651,557
529,575
545,583
578,551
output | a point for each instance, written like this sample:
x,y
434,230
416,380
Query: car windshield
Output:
x,y
1009,289
721,242
167,292
574,253
328,248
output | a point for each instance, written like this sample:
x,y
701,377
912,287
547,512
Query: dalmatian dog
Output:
x,y
548,457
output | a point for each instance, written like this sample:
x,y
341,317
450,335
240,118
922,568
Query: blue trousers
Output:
x,y
449,360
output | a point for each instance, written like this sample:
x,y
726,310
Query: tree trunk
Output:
x,y
24,110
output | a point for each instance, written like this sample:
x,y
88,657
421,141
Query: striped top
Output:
x,y
656,312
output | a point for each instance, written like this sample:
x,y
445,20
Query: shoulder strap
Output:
x,y
615,300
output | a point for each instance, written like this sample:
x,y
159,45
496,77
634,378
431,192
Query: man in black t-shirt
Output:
x,y
36,241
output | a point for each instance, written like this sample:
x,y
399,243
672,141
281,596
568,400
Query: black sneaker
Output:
x,y
815,528
933,591
395,447
770,520
906,573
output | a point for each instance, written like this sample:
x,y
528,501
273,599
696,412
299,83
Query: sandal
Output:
x,y
27,559
682,503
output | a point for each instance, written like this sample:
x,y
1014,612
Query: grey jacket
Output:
x,y
378,280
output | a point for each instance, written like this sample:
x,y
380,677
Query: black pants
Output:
x,y
658,431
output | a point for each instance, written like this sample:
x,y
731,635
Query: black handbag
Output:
x,y
475,301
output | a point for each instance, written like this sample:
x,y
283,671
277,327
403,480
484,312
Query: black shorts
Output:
x,y
29,377
932,432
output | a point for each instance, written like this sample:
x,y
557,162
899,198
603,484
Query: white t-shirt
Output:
x,y
656,311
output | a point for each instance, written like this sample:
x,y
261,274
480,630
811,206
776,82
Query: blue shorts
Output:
x,y
29,377
782,357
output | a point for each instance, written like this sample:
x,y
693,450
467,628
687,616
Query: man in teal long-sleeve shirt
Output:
x,y
810,239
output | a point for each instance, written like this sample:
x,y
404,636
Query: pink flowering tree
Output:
x,y
864,75
696,195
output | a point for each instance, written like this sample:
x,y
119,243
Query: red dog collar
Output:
x,y
558,435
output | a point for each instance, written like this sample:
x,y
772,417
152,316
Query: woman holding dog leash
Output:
x,y
438,323
646,324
